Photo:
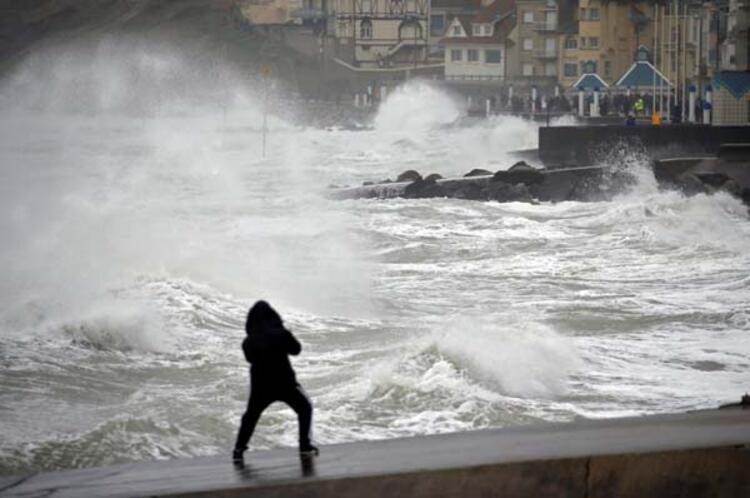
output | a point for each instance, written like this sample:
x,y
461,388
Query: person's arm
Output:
x,y
293,347
248,349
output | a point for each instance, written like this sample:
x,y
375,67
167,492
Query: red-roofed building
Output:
x,y
477,46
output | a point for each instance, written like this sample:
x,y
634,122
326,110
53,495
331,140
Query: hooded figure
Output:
x,y
267,348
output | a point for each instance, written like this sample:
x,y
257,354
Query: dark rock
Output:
x,y
469,191
365,184
409,176
506,192
690,184
422,189
715,180
434,176
732,187
520,172
387,180
478,172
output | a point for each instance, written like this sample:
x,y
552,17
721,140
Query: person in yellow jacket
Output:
x,y
639,106
655,118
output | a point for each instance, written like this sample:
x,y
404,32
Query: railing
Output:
x,y
545,26
546,53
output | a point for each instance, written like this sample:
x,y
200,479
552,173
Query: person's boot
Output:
x,y
237,455
307,449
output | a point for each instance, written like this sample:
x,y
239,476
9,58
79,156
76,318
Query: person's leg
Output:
x,y
300,403
255,406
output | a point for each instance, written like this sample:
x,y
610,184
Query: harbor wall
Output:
x,y
566,146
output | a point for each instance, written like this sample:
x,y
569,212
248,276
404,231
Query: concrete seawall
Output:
x,y
699,454
587,145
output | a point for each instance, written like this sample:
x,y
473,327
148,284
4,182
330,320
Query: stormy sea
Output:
x,y
141,217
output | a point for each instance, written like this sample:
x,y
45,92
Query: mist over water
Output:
x,y
141,219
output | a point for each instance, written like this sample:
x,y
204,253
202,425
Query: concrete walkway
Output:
x,y
545,459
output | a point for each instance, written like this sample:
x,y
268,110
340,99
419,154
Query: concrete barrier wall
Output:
x,y
588,145
719,472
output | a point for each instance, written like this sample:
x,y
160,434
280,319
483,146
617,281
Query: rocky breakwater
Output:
x,y
519,183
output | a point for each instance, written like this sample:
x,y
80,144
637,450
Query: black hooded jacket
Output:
x,y
267,348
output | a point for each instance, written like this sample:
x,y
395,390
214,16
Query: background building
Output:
x,y
476,47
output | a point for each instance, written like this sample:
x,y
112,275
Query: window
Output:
x,y
583,42
550,69
528,69
477,30
456,30
437,25
488,30
571,42
492,56
457,55
528,17
472,55
582,15
607,68
593,42
528,44
367,6
588,67
365,29
570,69
593,14
343,29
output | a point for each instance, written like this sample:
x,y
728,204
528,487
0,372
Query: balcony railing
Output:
x,y
545,26
546,53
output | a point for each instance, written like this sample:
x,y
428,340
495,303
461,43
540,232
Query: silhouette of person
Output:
x,y
267,348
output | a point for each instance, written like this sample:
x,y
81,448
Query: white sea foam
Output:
x,y
521,358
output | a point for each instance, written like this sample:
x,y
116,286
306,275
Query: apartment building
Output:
x,y
606,40
476,47
380,34
536,50
442,13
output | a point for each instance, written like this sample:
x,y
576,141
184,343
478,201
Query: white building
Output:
x,y
377,34
476,47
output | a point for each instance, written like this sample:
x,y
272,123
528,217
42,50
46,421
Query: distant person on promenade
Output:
x,y
267,348
630,120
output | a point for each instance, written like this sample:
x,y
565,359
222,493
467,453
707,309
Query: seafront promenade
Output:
x,y
696,454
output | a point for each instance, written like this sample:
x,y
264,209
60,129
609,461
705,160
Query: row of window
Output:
x,y
394,6
472,55
586,42
550,69
571,69
590,14
550,17
482,30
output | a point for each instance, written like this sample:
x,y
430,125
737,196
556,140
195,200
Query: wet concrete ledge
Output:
x,y
561,146
698,454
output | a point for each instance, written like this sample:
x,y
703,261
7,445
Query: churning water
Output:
x,y
140,220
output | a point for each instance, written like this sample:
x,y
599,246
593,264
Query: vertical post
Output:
x,y
595,106
685,32
557,91
533,99
654,51
510,95
580,102
709,106
691,110
487,108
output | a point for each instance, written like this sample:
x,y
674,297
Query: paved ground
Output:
x,y
696,430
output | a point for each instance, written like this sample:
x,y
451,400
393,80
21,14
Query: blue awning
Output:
x,y
736,82
589,82
642,74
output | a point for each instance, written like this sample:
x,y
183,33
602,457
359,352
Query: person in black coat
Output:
x,y
267,348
